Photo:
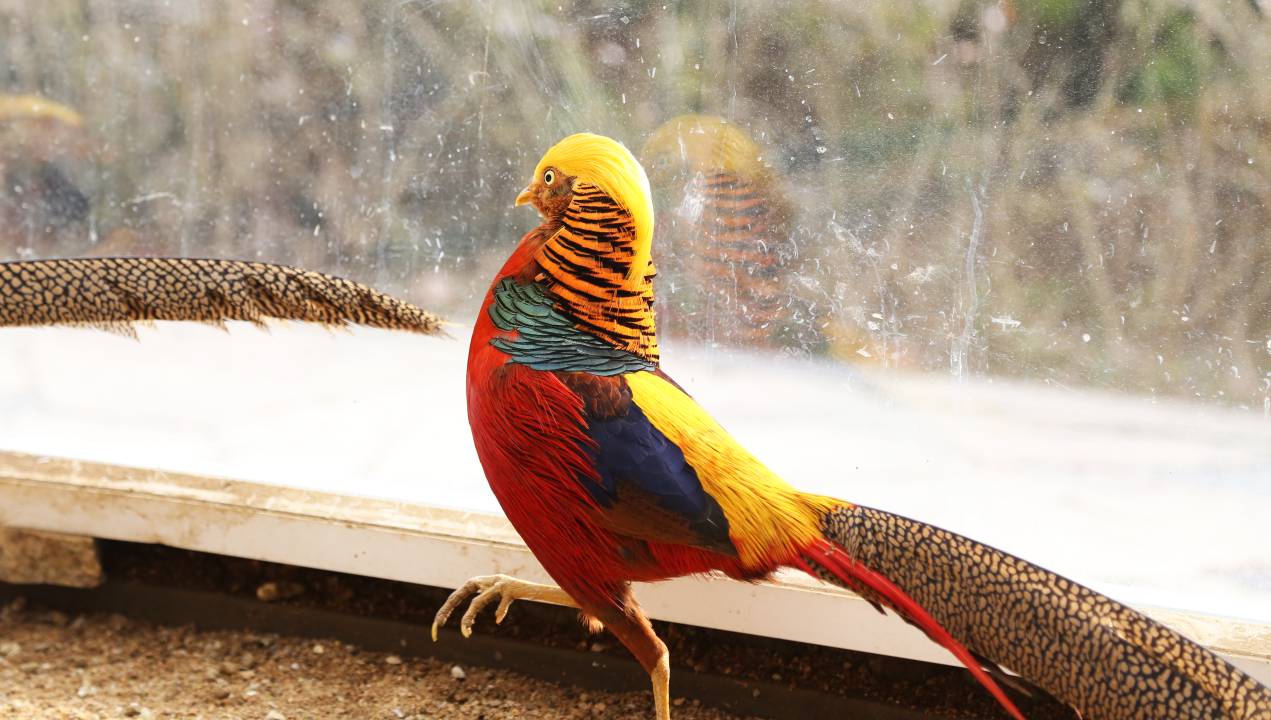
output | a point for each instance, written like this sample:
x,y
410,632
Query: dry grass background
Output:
x,y
1077,191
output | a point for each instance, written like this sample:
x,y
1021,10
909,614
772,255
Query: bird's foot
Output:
x,y
487,589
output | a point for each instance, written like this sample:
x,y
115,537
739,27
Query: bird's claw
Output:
x,y
486,588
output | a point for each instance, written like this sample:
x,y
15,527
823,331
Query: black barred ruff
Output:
x,y
588,268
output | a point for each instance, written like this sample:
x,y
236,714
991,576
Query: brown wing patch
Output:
x,y
639,516
603,396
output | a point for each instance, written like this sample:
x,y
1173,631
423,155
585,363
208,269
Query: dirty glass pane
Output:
x,y
999,265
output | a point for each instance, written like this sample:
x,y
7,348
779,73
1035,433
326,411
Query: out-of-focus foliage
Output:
x,y
1072,190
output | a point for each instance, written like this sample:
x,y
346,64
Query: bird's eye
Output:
x,y
549,177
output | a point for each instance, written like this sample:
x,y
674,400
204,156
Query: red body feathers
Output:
x,y
530,430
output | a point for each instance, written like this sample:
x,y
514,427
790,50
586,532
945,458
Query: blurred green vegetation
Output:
x,y
1076,191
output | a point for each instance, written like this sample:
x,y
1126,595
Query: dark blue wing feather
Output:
x,y
640,468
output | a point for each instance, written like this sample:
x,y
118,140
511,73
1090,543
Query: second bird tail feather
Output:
x,y
115,293
1034,622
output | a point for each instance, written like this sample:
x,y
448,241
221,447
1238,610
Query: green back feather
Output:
x,y
547,340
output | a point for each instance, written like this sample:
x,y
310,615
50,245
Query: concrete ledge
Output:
x,y
443,548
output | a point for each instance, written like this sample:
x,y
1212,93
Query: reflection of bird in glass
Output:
x,y
114,293
34,107
728,238
611,473
40,206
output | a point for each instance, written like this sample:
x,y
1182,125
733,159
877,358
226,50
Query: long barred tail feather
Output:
x,y
115,293
827,561
1104,659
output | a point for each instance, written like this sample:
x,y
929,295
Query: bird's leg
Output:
x,y
661,677
625,620
487,589
630,625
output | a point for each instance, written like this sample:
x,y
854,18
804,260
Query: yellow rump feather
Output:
x,y
768,519
610,166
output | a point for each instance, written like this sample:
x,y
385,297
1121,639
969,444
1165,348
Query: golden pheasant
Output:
x,y
612,474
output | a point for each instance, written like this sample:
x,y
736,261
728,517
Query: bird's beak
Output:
x,y
525,197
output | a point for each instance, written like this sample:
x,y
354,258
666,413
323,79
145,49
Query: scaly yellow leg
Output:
x,y
661,677
489,587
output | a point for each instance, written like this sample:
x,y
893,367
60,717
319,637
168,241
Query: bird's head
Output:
x,y
591,255
604,163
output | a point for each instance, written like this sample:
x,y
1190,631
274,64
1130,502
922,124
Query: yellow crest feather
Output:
x,y
610,166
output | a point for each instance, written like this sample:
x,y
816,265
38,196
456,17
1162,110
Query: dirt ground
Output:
x,y
99,667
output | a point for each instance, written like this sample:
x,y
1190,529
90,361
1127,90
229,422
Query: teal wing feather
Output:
x,y
547,340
